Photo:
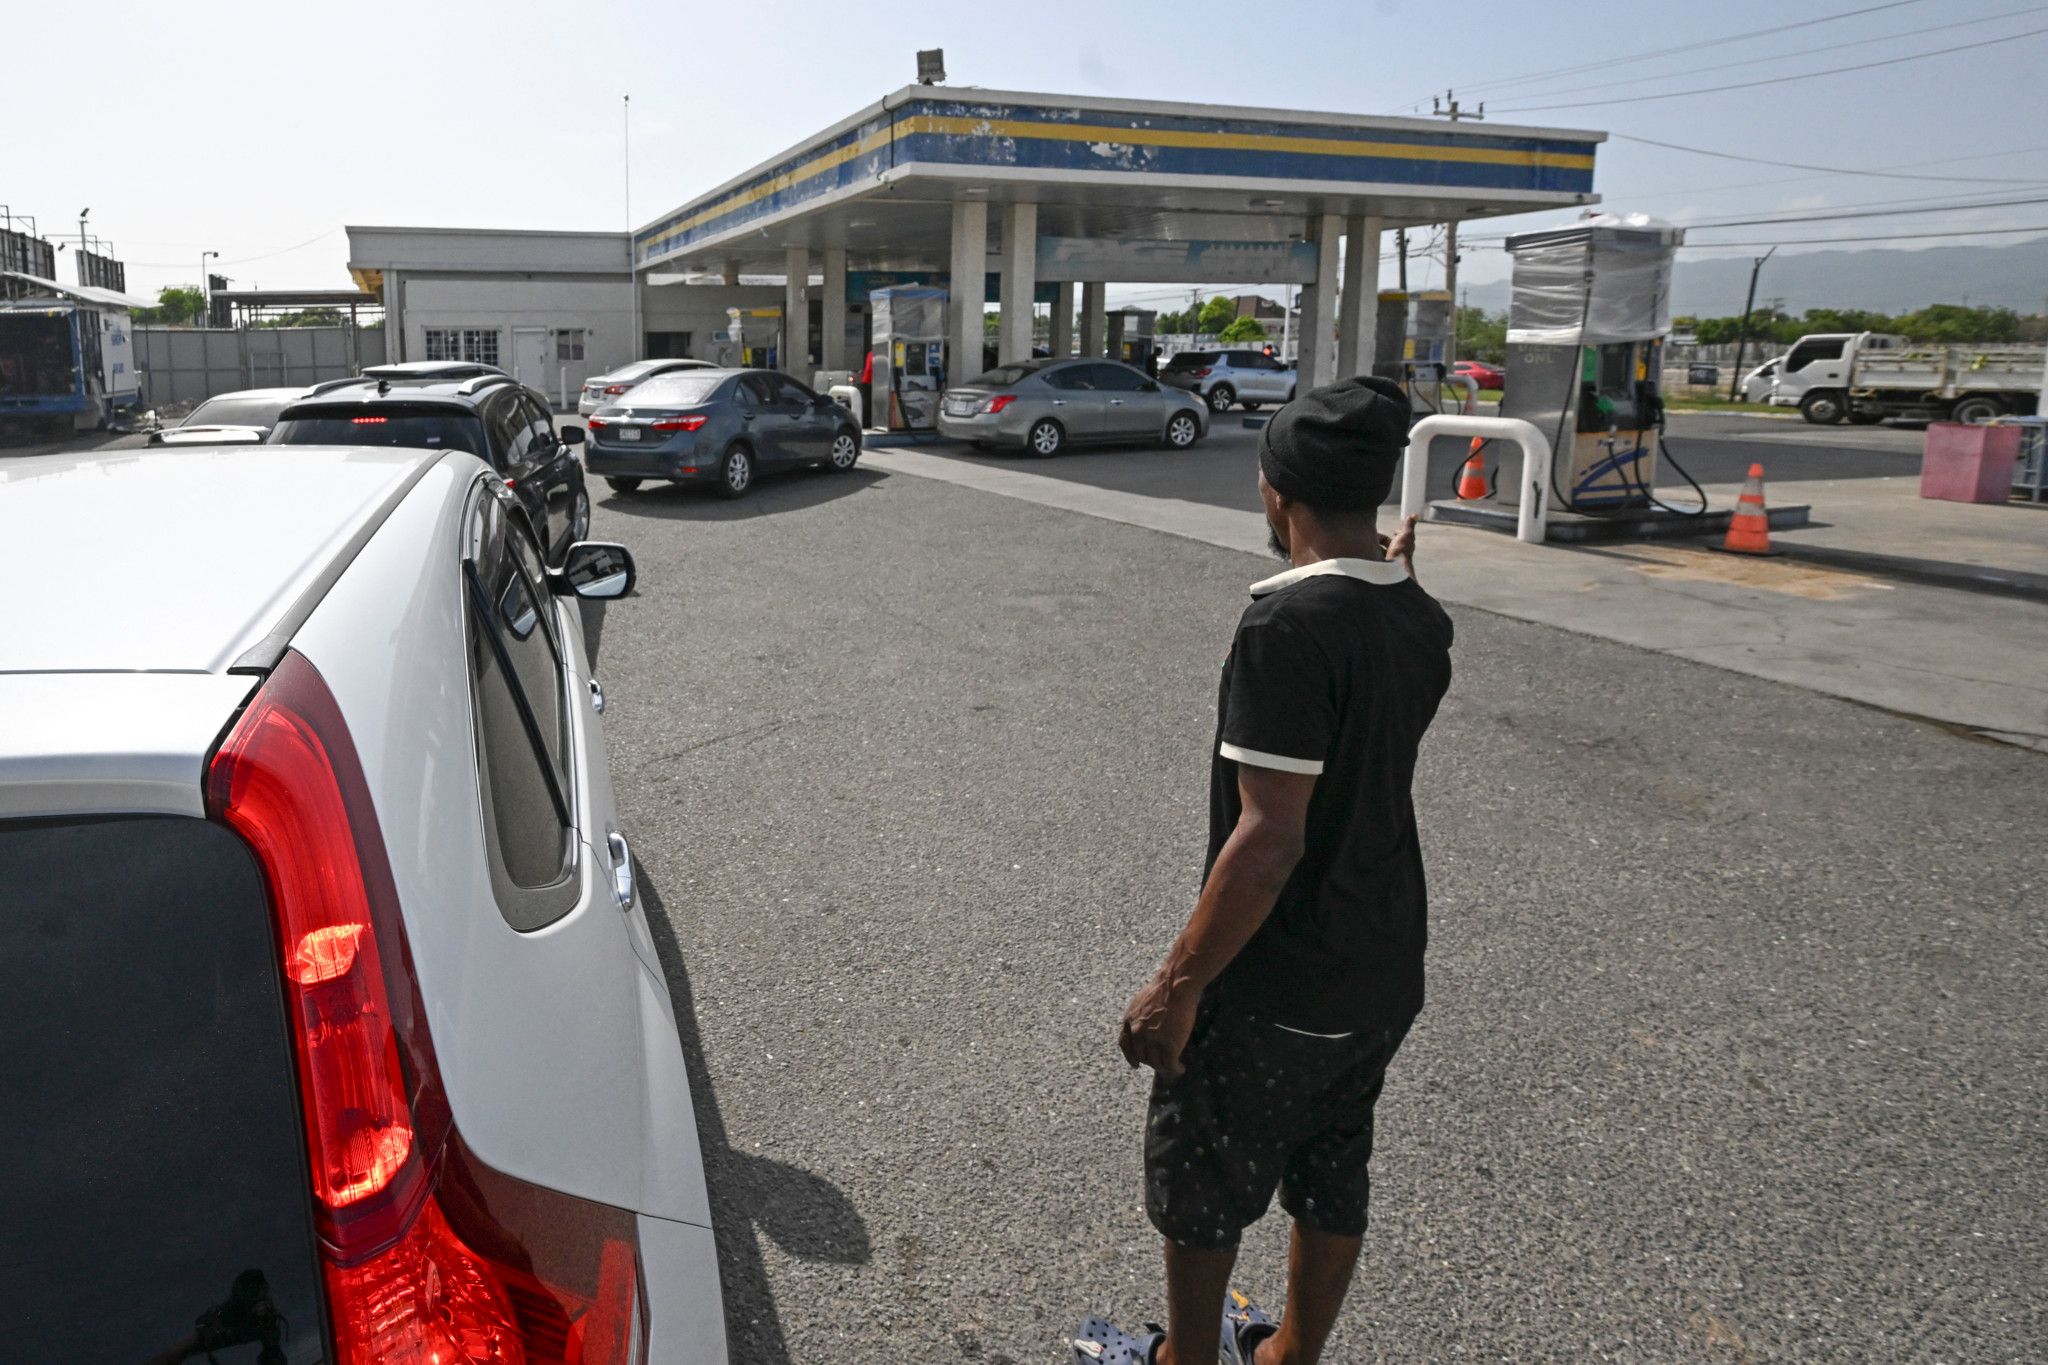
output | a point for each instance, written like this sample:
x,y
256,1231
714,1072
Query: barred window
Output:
x,y
476,344
569,344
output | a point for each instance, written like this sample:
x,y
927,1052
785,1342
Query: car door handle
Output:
x,y
1116,402
596,696
623,886
1059,402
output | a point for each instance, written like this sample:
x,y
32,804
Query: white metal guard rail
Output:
x,y
1535,486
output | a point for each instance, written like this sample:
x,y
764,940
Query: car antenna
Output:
x,y
383,387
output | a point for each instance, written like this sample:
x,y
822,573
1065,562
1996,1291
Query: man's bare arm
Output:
x,y
1255,863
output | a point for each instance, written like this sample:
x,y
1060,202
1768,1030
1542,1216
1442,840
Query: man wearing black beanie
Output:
x,y
1270,1024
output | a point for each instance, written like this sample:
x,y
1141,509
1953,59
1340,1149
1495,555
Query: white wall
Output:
x,y
602,308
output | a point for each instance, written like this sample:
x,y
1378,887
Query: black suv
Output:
x,y
490,415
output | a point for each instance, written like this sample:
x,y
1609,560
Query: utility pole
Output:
x,y
81,246
1742,332
205,291
1401,253
636,343
1449,108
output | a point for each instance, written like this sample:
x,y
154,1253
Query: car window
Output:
x,y
434,428
522,723
1191,360
1116,378
1070,378
542,424
752,391
677,390
229,411
510,436
1002,376
788,390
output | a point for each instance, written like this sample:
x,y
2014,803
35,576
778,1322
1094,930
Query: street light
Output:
x,y
205,294
81,245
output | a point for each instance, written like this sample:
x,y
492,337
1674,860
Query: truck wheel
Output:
x,y
1823,407
1976,410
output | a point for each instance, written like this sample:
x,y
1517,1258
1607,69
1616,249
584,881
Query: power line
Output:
x,y
239,260
1823,170
1822,217
1604,64
1810,51
1774,80
1889,237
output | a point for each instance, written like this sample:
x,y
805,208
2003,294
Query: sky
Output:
x,y
258,131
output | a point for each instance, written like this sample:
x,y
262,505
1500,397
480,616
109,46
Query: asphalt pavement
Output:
x,y
1735,1044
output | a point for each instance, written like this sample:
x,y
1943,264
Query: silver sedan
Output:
x,y
1042,405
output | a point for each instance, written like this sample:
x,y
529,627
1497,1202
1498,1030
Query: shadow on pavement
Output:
x,y
780,492
809,1217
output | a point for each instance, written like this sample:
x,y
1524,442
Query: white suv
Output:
x,y
335,1028
1225,377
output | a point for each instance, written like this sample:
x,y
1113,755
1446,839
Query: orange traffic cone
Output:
x,y
1472,478
1750,532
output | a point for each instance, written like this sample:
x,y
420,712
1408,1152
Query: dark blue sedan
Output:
x,y
720,427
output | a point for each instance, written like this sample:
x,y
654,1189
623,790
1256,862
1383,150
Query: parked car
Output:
x,y
1760,385
335,1029
1485,375
1225,377
720,427
489,415
607,389
241,417
1043,405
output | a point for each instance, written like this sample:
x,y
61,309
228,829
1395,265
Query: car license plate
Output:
x,y
629,433
959,407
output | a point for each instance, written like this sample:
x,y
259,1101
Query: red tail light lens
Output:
x,y
597,424
690,423
616,388
369,421
1202,373
998,403
430,1257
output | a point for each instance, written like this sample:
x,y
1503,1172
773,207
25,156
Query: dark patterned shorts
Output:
x,y
1259,1106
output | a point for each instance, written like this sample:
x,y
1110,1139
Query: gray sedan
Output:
x,y
1042,405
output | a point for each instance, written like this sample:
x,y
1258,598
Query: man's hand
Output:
x,y
1401,545
1156,1026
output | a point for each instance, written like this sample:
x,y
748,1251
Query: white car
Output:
x,y
1252,378
1760,385
607,389
335,1029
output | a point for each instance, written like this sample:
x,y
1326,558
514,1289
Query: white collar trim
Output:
x,y
1380,572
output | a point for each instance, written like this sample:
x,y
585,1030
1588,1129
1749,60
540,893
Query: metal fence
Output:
x,y
186,365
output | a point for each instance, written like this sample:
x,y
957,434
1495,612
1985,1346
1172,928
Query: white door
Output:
x,y
533,358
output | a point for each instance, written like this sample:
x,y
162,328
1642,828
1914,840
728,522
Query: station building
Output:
x,y
1031,198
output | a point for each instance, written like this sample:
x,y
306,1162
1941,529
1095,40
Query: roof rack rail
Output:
x,y
324,385
484,381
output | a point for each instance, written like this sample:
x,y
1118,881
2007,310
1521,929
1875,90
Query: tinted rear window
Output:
x,y
432,428
685,390
1188,360
1002,376
156,1203
236,412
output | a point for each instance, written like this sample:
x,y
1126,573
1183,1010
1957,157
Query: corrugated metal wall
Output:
x,y
185,365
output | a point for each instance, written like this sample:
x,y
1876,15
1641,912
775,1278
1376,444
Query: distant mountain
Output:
x,y
1887,281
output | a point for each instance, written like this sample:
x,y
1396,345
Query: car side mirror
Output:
x,y
570,434
594,570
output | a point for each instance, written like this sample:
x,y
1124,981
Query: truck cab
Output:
x,y
1815,373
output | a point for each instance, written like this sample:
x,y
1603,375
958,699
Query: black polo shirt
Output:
x,y
1336,670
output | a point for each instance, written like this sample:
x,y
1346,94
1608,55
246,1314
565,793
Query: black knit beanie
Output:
x,y
1338,446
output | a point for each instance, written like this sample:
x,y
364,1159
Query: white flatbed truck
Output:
x,y
1865,377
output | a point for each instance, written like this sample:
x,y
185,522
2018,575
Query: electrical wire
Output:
x,y
1696,46
1776,80
1824,170
1829,48
1886,237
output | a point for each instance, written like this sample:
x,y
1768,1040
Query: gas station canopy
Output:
x,y
1124,189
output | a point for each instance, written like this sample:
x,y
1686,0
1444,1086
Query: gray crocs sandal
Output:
x,y
1098,1341
1245,1325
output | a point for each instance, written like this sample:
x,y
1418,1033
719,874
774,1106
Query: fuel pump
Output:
x,y
909,348
1412,337
1589,310
754,336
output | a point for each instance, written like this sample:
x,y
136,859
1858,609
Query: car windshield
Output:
x,y
685,390
1002,376
230,411
435,429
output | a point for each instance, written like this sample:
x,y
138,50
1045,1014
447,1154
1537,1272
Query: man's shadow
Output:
x,y
808,1217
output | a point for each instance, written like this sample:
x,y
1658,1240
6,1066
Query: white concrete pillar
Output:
x,y
1020,282
1063,322
1318,349
833,324
794,357
966,290
1094,319
1355,319
394,318
732,272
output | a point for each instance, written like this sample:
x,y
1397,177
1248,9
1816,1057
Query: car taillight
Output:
x,y
690,423
998,403
597,424
616,388
1202,373
369,421
429,1256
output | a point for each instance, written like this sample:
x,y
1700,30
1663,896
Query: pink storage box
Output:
x,y
1969,464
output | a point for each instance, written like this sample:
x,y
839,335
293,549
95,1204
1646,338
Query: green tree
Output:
x,y
177,305
1243,329
1953,322
1482,335
307,317
1217,314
